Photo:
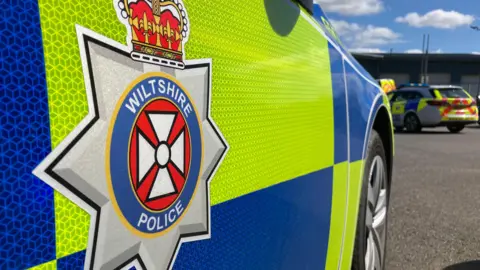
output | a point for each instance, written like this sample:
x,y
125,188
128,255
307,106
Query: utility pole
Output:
x,y
426,58
476,28
422,59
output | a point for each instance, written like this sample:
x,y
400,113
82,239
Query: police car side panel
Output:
x,y
340,174
295,242
398,112
364,101
271,197
429,116
411,106
27,217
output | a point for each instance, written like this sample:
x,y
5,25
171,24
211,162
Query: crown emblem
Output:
x,y
158,30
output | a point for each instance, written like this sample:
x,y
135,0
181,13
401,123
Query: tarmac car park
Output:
x,y
415,106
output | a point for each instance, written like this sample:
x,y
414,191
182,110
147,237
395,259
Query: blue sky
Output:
x,y
381,25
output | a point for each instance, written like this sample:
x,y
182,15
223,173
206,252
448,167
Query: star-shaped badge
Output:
x,y
141,161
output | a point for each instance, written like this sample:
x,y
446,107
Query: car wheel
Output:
x,y
371,234
455,128
412,123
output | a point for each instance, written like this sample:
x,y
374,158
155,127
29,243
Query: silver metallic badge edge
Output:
x,y
47,173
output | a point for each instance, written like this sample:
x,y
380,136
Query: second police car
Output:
x,y
171,134
387,85
415,106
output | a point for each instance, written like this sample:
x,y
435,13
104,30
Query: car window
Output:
x,y
415,95
432,93
407,95
453,93
401,97
412,95
398,97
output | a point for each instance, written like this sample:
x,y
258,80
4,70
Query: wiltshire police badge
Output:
x,y
156,131
141,161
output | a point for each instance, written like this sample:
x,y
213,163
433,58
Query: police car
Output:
x,y
421,105
477,99
149,134
387,85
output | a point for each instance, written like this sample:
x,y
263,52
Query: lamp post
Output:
x,y
476,28
424,60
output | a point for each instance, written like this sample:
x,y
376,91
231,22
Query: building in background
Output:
x,y
457,69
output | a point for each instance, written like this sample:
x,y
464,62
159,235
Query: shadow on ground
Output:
x,y
427,132
473,126
469,265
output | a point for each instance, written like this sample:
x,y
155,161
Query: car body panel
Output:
x,y
458,109
294,107
429,115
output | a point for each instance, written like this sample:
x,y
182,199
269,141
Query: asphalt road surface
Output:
x,y
434,220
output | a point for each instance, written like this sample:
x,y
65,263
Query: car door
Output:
x,y
413,99
365,104
398,102
341,154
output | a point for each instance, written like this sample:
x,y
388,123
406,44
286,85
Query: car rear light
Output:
x,y
437,102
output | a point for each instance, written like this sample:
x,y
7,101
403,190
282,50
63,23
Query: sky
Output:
x,y
399,25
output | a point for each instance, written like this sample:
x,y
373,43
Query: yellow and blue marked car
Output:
x,y
188,134
421,105
387,85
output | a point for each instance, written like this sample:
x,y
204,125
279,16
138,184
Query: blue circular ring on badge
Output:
x,y
154,154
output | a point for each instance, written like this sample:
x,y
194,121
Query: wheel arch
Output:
x,y
380,122
383,125
411,112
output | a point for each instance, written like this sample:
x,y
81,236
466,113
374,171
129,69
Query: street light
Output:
x,y
424,59
476,28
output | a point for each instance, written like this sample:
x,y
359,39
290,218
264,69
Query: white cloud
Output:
x,y
367,50
475,52
413,51
360,36
420,51
352,7
438,18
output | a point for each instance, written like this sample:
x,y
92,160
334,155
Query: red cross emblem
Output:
x,y
159,155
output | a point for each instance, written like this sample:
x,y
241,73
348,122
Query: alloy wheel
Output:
x,y
376,216
411,123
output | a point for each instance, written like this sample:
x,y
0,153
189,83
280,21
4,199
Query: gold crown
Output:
x,y
159,30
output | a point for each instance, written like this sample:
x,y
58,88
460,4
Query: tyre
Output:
x,y
412,123
371,234
455,128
